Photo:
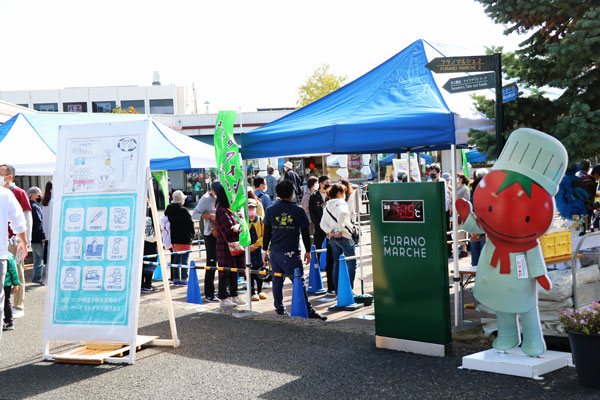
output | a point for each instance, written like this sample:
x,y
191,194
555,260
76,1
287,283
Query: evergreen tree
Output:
x,y
562,51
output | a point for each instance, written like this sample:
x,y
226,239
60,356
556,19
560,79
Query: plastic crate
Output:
x,y
556,244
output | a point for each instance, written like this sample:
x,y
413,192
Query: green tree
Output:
x,y
562,51
319,84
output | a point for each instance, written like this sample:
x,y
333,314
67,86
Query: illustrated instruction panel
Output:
x,y
102,164
95,259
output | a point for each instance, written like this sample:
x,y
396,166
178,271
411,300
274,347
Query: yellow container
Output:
x,y
556,244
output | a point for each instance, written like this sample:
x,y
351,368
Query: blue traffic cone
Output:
x,y
157,277
323,259
345,297
193,290
298,301
315,283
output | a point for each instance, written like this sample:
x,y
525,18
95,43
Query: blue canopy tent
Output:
x,y
28,141
396,107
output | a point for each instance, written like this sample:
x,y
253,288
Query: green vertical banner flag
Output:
x,y
163,183
465,163
229,170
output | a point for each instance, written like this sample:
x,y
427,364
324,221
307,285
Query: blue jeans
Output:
x,y
476,252
344,246
38,261
286,263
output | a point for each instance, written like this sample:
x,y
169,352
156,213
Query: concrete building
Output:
x,y
156,99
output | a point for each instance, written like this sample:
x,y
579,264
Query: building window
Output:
x,y
103,106
46,107
24,105
138,105
164,106
75,107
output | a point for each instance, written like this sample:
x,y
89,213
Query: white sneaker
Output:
x,y
238,301
227,303
18,312
255,297
267,285
262,296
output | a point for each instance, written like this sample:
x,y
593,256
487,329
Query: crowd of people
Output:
x,y
24,217
278,226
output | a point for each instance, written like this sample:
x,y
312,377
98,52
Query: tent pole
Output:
x,y
360,252
409,171
247,252
162,259
456,276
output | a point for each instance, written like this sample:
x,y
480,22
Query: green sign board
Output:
x,y
410,263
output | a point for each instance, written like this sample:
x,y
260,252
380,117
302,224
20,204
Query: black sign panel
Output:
x,y
469,83
442,65
403,211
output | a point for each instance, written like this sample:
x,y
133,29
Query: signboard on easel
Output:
x,y
95,253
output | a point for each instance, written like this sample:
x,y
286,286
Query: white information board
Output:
x,y
95,253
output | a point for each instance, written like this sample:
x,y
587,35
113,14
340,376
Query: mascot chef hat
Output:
x,y
536,155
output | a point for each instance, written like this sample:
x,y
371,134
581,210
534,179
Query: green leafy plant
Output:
x,y
586,321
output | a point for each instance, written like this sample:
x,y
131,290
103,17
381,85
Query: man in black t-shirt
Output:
x,y
284,222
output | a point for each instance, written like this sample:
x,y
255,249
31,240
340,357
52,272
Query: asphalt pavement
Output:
x,y
240,355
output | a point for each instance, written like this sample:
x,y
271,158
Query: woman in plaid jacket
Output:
x,y
228,231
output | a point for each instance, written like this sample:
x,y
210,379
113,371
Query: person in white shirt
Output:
x,y
10,211
337,223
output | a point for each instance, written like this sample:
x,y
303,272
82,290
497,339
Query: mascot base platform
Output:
x,y
515,362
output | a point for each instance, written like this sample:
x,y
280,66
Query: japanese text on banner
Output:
x,y
229,169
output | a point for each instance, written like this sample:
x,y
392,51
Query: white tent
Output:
x,y
28,142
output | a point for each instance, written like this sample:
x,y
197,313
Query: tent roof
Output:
x,y
29,140
395,106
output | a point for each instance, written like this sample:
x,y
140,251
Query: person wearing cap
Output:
x,y
293,177
182,233
206,211
256,229
38,236
284,223
514,206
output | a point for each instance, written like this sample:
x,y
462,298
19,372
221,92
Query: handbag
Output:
x,y
353,233
235,248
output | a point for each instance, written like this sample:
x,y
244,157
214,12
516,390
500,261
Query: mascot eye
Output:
x,y
490,208
527,219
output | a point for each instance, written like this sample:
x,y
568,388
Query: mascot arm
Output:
x,y
467,217
536,267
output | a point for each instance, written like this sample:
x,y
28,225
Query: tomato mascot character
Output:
x,y
514,205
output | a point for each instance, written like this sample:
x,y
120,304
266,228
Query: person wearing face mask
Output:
x,y
315,207
256,229
7,175
38,236
259,191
